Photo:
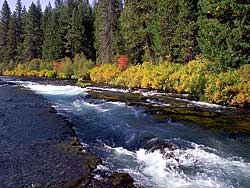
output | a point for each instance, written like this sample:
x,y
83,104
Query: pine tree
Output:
x,y
48,30
74,35
5,18
162,28
135,20
88,23
63,27
224,28
184,45
33,33
98,12
11,47
106,22
58,4
19,14
39,34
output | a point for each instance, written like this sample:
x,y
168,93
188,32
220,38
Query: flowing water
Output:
x,y
164,154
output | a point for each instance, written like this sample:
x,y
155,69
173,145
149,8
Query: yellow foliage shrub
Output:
x,y
131,77
32,73
105,73
222,88
43,73
8,73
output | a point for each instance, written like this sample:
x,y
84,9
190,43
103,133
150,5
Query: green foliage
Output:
x,y
68,68
134,22
34,65
106,23
51,74
4,29
183,44
224,32
82,66
33,33
162,26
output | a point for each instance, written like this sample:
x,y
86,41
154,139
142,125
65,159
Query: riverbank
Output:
x,y
200,78
40,149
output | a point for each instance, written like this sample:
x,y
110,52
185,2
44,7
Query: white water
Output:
x,y
192,166
164,172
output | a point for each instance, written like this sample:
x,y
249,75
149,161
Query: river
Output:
x,y
161,154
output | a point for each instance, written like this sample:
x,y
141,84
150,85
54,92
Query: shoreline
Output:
x,y
89,83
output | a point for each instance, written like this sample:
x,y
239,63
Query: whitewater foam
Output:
x,y
109,89
171,169
201,104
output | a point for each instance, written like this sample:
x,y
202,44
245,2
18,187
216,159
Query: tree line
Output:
x,y
154,31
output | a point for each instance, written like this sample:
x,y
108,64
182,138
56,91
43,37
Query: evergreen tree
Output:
x,y
184,44
47,27
19,14
106,22
74,35
224,28
63,27
162,28
135,20
5,18
11,47
33,33
58,4
88,23
98,12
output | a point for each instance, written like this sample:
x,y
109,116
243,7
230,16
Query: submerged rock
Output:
x,y
161,145
115,180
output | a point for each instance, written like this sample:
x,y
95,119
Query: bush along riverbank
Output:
x,y
66,68
200,78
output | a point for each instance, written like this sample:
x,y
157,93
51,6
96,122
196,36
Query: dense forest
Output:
x,y
82,37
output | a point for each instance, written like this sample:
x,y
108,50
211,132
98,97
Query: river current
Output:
x,y
166,154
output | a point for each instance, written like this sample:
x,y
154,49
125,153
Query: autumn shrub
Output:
x,y
242,97
192,77
105,73
122,62
222,88
130,78
43,73
44,65
51,74
8,73
32,73
68,68
34,65
62,75
58,67
82,66
20,70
